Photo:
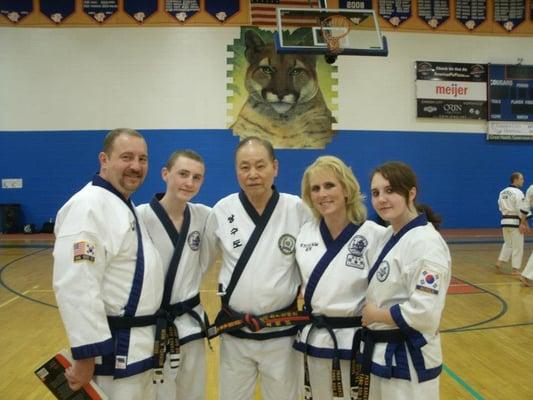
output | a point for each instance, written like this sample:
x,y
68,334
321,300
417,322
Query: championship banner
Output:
x,y
434,12
100,10
222,10
57,10
509,13
16,10
395,12
451,90
140,9
471,13
182,9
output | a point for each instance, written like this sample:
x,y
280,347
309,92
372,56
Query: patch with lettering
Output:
x,y
383,271
428,281
357,245
84,251
194,240
287,244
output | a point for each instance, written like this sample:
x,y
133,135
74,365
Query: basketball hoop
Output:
x,y
333,29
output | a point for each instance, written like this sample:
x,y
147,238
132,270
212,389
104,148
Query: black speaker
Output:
x,y
10,218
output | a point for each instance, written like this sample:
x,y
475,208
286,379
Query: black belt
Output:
x,y
370,338
330,323
229,320
166,334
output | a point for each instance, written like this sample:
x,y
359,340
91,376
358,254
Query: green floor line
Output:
x,y
456,378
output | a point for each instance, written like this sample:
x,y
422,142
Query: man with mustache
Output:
x,y
108,276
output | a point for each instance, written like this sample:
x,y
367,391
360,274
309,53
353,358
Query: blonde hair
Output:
x,y
355,208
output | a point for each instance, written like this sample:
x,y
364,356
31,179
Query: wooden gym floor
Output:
x,y
487,327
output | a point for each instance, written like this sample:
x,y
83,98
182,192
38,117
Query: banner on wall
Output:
x,y
510,93
434,12
451,90
471,13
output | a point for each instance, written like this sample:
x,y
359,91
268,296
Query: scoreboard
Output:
x,y
510,93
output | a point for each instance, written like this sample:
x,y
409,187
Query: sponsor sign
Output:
x,y
451,90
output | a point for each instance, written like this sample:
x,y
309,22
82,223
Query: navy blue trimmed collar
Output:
x,y
161,213
250,209
346,233
101,182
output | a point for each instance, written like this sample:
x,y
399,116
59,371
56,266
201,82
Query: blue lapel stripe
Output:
x,y
421,220
165,220
333,247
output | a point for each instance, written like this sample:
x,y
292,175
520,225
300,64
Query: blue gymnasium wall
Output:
x,y
460,174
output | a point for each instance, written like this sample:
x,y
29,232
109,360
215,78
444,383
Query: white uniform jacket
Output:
x,y
411,280
270,279
189,273
529,200
512,204
101,269
337,272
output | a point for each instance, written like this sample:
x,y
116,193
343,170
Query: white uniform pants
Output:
x,y
320,378
189,383
136,387
401,389
528,270
513,247
274,361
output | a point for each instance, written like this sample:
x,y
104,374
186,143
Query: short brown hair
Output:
x,y
110,138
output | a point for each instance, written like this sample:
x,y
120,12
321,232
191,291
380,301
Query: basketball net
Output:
x,y
334,28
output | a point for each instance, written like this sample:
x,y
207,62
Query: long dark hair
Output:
x,y
402,179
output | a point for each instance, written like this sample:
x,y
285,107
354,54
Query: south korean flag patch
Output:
x,y
428,281
84,251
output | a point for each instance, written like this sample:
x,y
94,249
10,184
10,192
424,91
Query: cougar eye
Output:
x,y
296,71
267,70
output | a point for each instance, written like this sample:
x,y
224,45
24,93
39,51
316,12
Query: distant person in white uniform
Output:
x,y
527,273
256,230
333,251
107,274
402,355
514,210
176,226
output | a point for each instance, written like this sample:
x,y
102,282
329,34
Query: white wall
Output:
x,y
175,78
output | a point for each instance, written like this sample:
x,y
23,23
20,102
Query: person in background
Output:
x,y
401,353
527,273
333,252
107,273
514,211
176,226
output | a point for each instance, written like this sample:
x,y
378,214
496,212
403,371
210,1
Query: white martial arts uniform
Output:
x,y
268,283
411,280
334,274
528,269
512,204
188,381
101,269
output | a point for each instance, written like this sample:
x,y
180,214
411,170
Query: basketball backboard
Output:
x,y
303,30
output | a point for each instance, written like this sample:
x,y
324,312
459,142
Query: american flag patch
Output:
x,y
428,281
84,251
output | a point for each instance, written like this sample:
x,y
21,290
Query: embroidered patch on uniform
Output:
x,y
84,251
120,362
357,245
383,271
428,281
194,240
355,261
287,243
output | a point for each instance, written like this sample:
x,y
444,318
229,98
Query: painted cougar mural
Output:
x,y
285,104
